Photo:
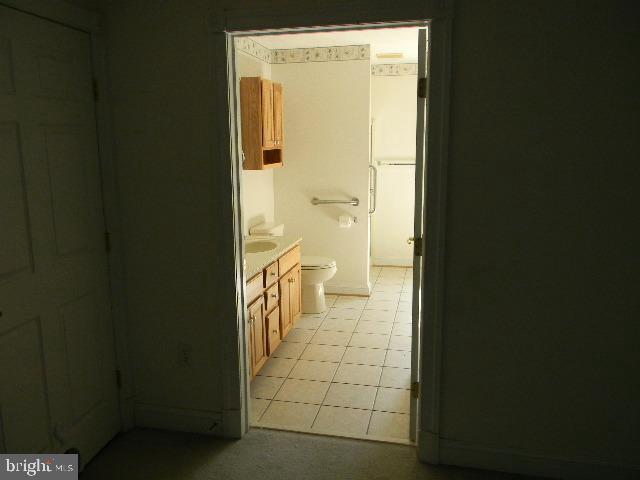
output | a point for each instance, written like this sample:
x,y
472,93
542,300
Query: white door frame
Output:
x,y
347,14
91,23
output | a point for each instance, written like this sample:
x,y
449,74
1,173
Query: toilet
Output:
x,y
315,271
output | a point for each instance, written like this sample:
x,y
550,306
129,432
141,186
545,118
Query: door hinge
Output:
x,y
107,242
415,389
118,379
94,85
417,247
422,87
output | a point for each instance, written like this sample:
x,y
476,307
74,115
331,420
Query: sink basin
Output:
x,y
260,246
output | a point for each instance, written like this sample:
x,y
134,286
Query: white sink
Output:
x,y
258,246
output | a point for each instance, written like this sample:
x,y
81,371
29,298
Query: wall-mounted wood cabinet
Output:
x,y
261,104
274,298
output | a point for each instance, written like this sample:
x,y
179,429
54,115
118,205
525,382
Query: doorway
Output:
x,y
349,368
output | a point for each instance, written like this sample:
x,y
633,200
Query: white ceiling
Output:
x,y
382,40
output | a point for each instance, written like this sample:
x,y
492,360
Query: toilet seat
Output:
x,y
316,263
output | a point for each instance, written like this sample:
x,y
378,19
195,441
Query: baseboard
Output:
x,y
179,419
392,262
428,447
467,454
347,290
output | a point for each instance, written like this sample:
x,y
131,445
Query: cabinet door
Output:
x,y
268,140
257,338
285,311
278,126
295,295
273,330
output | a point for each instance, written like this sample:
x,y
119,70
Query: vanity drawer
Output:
x,y
271,274
289,260
273,330
271,297
254,288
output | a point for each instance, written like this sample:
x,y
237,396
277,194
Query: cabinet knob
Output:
x,y
274,295
273,274
291,280
274,331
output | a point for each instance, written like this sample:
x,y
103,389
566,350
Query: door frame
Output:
x,y
224,26
90,23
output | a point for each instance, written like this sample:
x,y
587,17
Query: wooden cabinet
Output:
x,y
257,335
274,297
261,104
290,299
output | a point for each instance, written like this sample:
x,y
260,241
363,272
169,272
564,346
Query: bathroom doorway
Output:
x,y
312,160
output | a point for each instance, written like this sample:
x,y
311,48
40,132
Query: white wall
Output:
x,y
326,119
393,108
257,185
172,230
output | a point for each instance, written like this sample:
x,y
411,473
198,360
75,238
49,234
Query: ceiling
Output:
x,y
382,40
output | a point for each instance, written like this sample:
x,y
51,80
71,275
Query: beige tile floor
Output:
x,y
346,371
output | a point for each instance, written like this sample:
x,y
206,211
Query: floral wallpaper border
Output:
x,y
323,54
253,48
303,55
394,69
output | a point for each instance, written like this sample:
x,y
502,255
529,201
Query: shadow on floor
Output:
x,y
264,454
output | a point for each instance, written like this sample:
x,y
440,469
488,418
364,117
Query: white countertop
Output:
x,y
256,262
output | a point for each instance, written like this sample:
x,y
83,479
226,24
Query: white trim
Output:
x,y
333,15
112,219
434,216
229,300
180,419
469,454
391,262
361,290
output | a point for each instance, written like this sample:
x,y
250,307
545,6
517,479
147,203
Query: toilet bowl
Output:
x,y
315,271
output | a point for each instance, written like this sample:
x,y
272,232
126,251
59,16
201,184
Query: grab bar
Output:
x,y
373,189
354,201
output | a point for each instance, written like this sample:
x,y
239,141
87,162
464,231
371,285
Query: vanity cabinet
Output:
x,y
274,299
261,104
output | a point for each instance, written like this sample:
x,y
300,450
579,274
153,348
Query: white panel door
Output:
x,y
57,361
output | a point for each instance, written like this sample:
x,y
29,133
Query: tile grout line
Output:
x,y
334,376
341,361
383,365
285,378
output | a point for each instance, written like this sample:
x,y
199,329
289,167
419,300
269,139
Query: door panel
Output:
x,y
69,196
6,66
257,338
295,297
278,127
267,114
15,248
53,266
285,299
24,420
